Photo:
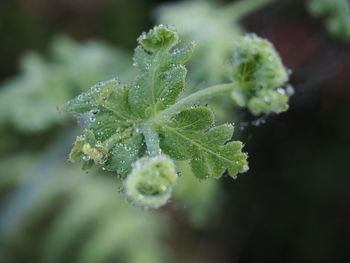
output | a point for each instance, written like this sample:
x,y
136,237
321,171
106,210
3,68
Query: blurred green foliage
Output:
x,y
28,101
74,217
336,14
53,212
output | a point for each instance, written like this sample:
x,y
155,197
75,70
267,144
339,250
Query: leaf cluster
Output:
x,y
125,122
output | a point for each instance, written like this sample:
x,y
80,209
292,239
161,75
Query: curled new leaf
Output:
x,y
260,76
151,181
88,150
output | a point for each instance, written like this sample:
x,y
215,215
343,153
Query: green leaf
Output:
x,y
77,150
87,164
104,124
260,76
104,109
87,149
256,64
199,118
108,96
128,126
209,152
267,101
124,154
162,75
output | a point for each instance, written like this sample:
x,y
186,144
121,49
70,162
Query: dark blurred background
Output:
x,y
294,203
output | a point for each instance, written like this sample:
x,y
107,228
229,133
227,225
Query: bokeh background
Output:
x,y
293,205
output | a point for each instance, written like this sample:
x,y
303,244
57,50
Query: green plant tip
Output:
x,y
260,76
151,181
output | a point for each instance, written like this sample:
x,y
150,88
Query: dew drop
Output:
x,y
281,91
86,158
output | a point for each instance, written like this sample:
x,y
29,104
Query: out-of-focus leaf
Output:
x,y
337,16
29,101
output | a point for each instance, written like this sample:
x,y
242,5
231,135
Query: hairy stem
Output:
x,y
241,9
196,98
151,138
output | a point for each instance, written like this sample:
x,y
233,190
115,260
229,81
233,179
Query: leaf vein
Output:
x,y
201,146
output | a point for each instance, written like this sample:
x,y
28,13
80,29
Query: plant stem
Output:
x,y
151,138
239,10
118,137
196,98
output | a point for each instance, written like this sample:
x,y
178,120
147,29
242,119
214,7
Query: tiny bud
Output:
x,y
151,181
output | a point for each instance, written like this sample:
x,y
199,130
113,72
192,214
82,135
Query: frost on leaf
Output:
x,y
162,75
260,76
151,181
105,113
124,154
126,131
88,150
188,136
